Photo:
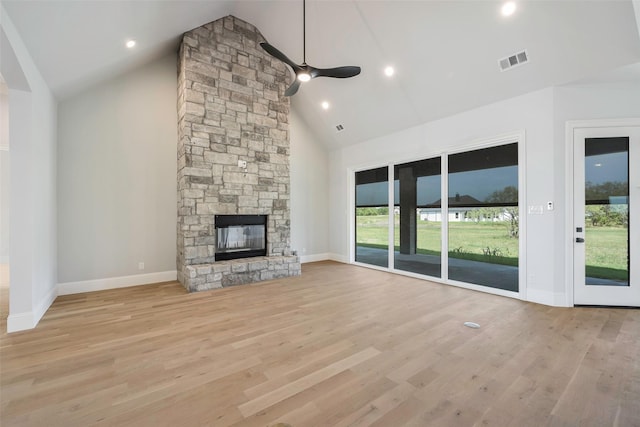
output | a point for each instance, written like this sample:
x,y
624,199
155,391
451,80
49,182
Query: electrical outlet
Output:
x,y
141,266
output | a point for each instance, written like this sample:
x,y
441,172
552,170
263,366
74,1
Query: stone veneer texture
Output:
x,y
231,107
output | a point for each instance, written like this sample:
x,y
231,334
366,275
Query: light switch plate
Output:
x,y
535,210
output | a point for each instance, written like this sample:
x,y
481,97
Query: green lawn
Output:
x,y
467,240
607,252
606,246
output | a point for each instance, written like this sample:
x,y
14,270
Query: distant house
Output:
x,y
459,207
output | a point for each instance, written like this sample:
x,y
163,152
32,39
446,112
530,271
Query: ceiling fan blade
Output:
x,y
291,90
338,72
279,55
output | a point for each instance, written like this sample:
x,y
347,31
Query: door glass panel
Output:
x,y
484,217
417,217
372,217
606,188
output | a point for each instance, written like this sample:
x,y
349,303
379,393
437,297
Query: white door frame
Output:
x,y
570,128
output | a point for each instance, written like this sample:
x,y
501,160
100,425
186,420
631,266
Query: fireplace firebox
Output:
x,y
240,236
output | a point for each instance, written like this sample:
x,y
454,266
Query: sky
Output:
x,y
609,167
478,184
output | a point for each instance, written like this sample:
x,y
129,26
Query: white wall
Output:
x,y
117,183
32,136
117,179
531,113
309,193
4,173
542,115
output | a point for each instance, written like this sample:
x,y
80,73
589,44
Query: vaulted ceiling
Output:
x,y
445,53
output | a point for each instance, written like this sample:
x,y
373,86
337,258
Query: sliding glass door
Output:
x,y
418,217
484,217
372,217
454,217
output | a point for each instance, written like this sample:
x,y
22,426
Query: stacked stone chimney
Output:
x,y
231,110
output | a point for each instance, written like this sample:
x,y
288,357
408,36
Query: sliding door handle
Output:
x,y
579,240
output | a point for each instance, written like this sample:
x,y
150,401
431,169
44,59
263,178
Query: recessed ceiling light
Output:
x,y
325,105
389,71
508,8
130,43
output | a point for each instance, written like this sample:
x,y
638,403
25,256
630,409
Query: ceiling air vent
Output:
x,y
339,128
513,60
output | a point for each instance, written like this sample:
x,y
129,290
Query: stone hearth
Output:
x,y
233,153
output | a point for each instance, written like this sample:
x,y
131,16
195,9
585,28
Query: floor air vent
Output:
x,y
513,61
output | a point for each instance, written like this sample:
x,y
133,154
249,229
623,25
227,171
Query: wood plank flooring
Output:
x,y
338,346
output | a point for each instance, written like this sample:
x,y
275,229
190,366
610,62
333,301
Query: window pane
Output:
x,y
372,217
606,192
483,217
418,217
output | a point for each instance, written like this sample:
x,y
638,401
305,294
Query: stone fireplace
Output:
x,y
233,159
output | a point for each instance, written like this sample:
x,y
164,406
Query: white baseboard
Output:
x,y
29,319
115,282
20,322
560,300
339,258
314,258
44,305
546,298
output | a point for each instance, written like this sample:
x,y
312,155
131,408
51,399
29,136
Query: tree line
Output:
x,y
602,213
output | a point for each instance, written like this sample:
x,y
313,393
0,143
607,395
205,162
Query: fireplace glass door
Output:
x,y
240,236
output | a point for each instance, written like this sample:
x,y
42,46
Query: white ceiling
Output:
x,y
445,52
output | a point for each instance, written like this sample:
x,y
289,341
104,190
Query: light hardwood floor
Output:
x,y
339,346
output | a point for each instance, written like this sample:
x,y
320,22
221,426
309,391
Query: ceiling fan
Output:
x,y
305,72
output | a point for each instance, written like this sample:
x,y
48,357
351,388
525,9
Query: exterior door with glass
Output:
x,y
606,222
